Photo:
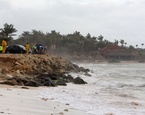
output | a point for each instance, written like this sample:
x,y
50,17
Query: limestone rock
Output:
x,y
38,70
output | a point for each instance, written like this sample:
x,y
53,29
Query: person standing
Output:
x,y
1,48
34,48
27,48
4,46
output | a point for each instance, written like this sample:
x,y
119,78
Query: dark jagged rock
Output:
x,y
68,78
21,79
79,80
32,83
49,82
44,80
61,82
87,74
84,70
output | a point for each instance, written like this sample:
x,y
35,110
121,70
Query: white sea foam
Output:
x,y
117,89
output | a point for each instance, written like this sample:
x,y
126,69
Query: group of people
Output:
x,y
3,46
37,48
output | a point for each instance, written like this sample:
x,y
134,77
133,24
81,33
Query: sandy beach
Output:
x,y
16,100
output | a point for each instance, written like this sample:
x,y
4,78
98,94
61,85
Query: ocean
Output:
x,y
112,89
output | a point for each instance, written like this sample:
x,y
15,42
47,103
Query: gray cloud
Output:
x,y
114,19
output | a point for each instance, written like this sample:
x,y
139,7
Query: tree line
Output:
x,y
74,43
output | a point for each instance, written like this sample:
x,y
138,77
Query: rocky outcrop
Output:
x,y
44,80
41,70
30,65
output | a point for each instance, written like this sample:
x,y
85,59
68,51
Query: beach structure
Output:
x,y
113,51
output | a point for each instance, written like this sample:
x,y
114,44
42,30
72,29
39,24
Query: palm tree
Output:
x,y
125,44
142,45
88,36
100,38
122,42
7,31
116,42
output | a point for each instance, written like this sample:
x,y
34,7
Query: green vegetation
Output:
x,y
74,43
71,44
7,31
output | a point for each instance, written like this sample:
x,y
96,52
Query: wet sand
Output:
x,y
16,100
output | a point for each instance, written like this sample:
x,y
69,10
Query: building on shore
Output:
x,y
113,51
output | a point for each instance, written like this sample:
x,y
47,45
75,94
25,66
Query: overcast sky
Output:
x,y
114,19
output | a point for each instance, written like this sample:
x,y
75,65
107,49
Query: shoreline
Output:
x,y
105,62
16,100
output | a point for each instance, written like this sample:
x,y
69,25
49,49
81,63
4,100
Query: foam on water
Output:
x,y
113,88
